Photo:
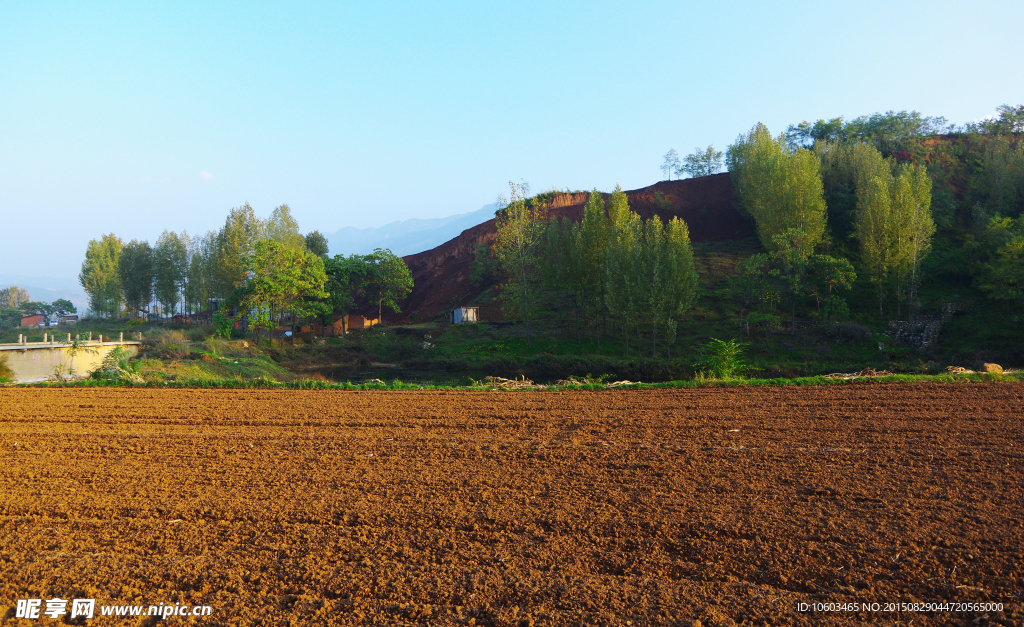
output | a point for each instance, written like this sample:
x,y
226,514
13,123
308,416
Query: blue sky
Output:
x,y
135,117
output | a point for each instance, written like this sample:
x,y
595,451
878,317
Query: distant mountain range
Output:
x,y
407,237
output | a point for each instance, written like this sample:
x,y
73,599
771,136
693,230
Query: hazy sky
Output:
x,y
134,117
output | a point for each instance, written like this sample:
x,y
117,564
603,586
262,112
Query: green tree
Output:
x,y
670,163
170,266
483,270
845,168
792,260
31,307
346,277
11,297
780,189
701,162
135,271
99,276
914,226
520,226
1002,178
74,347
593,248
667,276
757,285
62,307
874,231
1002,275
316,243
199,275
828,275
278,278
387,280
878,129
1010,120
624,283
721,359
560,272
283,228
234,244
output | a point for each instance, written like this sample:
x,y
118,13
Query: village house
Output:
x,y
35,320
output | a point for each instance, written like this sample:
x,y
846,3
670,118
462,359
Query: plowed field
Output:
x,y
730,505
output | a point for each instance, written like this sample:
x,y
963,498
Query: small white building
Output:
x,y
462,315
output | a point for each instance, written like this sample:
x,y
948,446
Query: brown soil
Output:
x,y
728,505
441,275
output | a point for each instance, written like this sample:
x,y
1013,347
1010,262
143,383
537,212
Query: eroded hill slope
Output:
x,y
441,274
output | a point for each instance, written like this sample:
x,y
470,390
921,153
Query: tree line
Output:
x,y
973,174
266,269
830,200
833,199
613,272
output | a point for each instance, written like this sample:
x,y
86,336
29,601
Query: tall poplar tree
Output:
x,y
520,226
623,268
135,271
235,244
170,264
874,231
283,228
780,189
913,225
99,276
593,251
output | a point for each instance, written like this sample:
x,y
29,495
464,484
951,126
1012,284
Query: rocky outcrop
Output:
x,y
923,331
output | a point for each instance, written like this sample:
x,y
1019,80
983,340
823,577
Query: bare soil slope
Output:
x,y
441,275
493,508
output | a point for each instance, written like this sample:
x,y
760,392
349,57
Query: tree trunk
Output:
x,y
625,337
526,306
792,318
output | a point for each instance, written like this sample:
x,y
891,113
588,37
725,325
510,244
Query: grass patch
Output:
x,y
207,382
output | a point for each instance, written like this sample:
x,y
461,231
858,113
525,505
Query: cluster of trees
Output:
x,y
879,129
181,272
833,196
265,268
612,268
15,302
780,184
781,188
701,162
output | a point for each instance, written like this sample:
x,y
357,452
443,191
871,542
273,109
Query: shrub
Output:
x,y
848,331
171,345
118,367
198,332
222,325
721,359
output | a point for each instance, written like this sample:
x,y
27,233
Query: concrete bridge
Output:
x,y
39,361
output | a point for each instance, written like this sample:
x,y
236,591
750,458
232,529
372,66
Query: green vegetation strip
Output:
x,y
315,384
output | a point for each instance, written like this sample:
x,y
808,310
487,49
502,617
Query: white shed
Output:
x,y
464,314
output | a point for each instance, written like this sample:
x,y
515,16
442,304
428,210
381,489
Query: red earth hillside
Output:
x,y
441,274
